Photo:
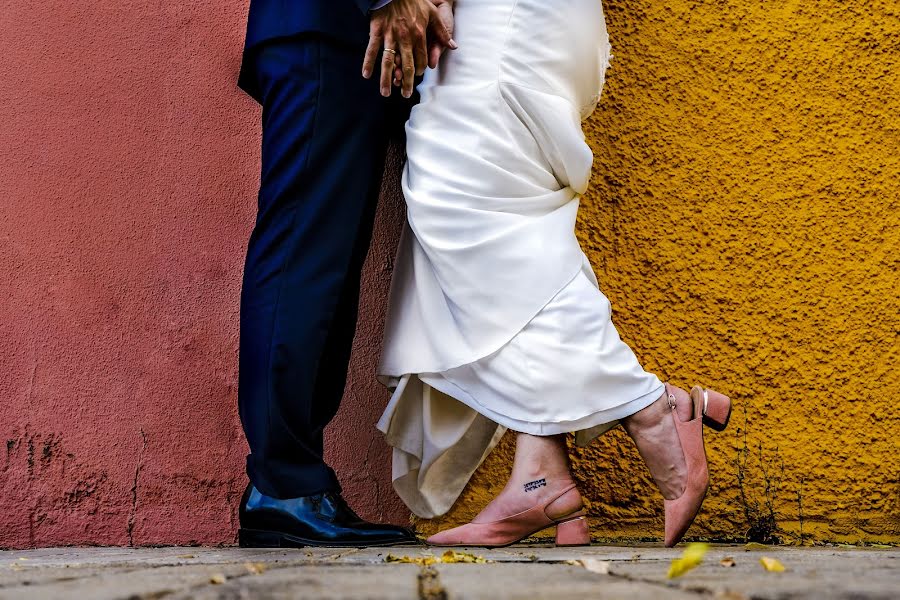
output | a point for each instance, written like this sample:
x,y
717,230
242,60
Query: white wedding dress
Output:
x,y
496,320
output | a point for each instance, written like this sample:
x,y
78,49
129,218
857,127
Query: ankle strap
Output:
x,y
558,497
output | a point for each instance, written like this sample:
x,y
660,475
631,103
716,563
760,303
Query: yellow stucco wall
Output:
x,y
744,222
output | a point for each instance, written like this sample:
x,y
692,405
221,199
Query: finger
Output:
x,y
434,55
398,76
447,18
372,50
387,66
420,51
440,31
408,64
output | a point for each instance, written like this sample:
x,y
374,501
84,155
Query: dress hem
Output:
x,y
590,422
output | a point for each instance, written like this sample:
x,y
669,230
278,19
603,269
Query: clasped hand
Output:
x,y
410,35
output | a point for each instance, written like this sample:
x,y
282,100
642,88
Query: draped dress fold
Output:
x,y
495,318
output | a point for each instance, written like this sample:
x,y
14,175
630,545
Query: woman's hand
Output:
x,y
445,16
435,47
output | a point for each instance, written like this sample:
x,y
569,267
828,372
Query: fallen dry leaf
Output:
x,y
690,558
727,562
755,546
256,568
452,556
770,564
186,556
595,566
882,546
217,579
418,560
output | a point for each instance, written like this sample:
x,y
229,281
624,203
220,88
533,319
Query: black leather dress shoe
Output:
x,y
319,520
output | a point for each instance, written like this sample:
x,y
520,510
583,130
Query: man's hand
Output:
x,y
435,47
407,23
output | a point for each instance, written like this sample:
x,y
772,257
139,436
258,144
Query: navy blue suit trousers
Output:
x,y
325,132
344,20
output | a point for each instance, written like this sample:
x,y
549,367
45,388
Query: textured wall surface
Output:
x,y
743,221
129,162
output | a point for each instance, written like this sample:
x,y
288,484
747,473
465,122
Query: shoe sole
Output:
x,y
258,538
512,543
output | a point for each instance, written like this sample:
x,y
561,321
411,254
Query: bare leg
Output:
x,y
653,432
540,469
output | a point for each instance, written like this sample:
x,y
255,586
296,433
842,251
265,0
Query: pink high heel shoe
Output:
x,y
710,408
571,527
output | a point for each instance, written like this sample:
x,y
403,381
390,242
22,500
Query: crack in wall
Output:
x,y
134,488
373,479
34,366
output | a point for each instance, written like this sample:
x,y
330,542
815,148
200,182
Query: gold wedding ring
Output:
x,y
391,50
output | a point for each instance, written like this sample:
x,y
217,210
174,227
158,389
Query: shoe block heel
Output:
x,y
255,538
574,532
716,407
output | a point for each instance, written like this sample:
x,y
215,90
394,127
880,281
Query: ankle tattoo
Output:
x,y
533,485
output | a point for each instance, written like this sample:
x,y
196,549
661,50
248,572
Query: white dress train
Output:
x,y
495,319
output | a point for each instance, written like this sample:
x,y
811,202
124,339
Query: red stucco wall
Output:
x,y
128,172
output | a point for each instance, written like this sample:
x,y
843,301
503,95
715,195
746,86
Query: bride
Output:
x,y
496,321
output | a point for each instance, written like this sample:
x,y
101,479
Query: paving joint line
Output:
x,y
116,571
699,590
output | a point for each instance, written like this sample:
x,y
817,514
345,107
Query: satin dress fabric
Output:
x,y
495,318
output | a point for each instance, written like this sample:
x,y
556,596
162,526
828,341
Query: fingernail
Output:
x,y
453,44
385,91
366,73
406,94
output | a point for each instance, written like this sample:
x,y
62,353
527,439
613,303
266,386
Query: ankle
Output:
x,y
648,417
540,458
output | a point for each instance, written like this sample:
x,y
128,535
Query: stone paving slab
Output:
x,y
546,580
810,573
314,582
634,572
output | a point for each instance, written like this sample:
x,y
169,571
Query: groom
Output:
x,y
325,129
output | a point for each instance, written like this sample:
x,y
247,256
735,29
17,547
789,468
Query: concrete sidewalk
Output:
x,y
634,573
